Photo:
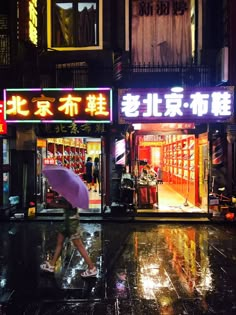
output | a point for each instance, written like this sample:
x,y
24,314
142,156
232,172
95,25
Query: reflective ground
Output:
x,y
144,268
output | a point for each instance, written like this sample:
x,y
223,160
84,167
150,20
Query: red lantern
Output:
x,y
229,216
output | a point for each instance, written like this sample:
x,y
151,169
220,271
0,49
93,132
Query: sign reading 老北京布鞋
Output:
x,y
213,104
79,105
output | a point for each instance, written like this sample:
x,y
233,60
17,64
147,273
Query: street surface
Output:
x,y
144,269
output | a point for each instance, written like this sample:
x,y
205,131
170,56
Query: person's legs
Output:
x,y
49,266
89,182
95,183
59,246
83,252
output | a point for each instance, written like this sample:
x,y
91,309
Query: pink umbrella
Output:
x,y
69,185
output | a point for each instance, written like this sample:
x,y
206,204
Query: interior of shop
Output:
x,y
171,169
165,169
71,153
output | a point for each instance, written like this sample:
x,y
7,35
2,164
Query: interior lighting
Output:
x,y
177,89
137,126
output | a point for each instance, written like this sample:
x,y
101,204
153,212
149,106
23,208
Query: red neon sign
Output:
x,y
3,125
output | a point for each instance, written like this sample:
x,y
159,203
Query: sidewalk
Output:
x,y
114,216
144,268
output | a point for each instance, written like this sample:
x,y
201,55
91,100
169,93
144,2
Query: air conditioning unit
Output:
x,y
222,66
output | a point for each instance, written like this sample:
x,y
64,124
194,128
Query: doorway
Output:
x,y
71,153
180,164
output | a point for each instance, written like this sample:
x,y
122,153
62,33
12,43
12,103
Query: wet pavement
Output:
x,y
144,269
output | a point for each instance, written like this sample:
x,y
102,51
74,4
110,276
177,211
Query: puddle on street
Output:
x,y
165,268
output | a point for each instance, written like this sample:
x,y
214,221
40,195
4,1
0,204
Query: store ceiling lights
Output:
x,y
177,89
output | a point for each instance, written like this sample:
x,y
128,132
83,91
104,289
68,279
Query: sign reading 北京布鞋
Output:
x,y
213,104
79,105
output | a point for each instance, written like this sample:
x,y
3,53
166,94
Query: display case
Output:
x,y
180,165
67,152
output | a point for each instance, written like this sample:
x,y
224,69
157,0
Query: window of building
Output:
x,y
75,24
162,32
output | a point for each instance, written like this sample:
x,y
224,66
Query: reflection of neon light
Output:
x,y
182,245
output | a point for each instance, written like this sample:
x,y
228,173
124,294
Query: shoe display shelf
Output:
x,y
180,165
67,152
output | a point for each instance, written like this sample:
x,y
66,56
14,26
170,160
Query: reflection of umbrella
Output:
x,y
68,184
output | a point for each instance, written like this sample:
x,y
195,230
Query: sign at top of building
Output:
x,y
162,7
214,104
79,105
28,21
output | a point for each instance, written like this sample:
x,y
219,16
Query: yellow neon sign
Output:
x,y
33,22
50,105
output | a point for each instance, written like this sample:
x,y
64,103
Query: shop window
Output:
x,y
5,188
162,32
5,152
74,24
5,175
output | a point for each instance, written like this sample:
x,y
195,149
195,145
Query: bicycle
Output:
x,y
221,197
220,202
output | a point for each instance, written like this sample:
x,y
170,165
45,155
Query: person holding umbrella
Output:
x,y
75,194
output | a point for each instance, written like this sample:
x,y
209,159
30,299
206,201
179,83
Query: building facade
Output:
x,y
128,46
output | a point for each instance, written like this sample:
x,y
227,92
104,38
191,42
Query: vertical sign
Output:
x,y
3,125
28,21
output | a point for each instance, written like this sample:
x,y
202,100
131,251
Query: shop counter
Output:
x,y
147,195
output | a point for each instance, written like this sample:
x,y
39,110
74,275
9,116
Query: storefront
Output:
x,y
181,135
56,126
64,148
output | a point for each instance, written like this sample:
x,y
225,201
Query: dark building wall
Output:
x,y
99,61
232,42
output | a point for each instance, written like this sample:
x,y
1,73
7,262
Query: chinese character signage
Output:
x,y
91,105
28,21
162,8
71,130
214,104
3,125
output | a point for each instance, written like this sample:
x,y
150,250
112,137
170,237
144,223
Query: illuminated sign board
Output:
x,y
3,125
33,22
213,104
79,105
28,16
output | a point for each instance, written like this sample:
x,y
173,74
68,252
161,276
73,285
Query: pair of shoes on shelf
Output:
x,y
46,266
89,273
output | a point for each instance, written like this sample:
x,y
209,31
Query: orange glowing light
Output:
x,y
17,103
229,216
70,107
96,105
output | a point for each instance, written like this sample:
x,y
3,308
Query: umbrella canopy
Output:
x,y
69,185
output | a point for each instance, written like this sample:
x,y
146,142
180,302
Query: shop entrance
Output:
x,y
72,153
171,170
